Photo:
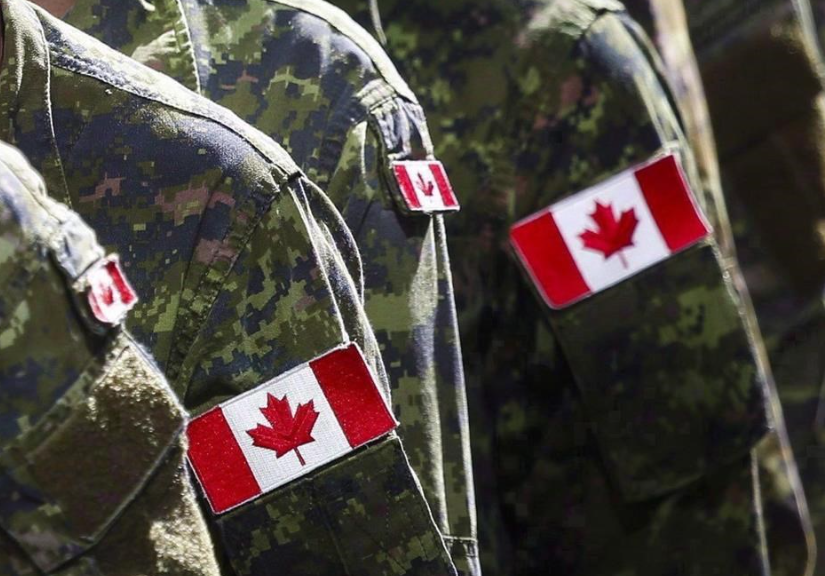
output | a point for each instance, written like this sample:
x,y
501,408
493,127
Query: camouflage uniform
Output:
x,y
769,49
596,415
317,83
788,532
773,171
244,269
93,480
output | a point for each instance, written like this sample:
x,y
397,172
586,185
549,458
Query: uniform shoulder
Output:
x,y
79,53
569,19
18,211
27,208
353,40
29,218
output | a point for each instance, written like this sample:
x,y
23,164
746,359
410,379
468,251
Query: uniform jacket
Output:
x,y
305,74
91,445
773,170
618,432
244,268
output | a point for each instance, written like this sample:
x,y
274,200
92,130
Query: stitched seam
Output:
x,y
356,112
183,39
189,332
321,505
463,545
48,107
338,20
65,62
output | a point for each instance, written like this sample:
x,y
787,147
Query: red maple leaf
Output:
x,y
426,187
611,236
287,432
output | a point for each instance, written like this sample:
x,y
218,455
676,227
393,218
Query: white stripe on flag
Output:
x,y
245,414
574,217
286,428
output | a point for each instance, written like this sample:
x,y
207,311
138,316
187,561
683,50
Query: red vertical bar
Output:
x,y
671,202
407,188
219,462
127,293
353,395
543,252
444,186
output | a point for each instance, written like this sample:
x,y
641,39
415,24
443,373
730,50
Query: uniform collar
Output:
x,y
25,103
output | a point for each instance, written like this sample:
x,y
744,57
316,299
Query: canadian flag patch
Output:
x,y
609,232
424,186
287,427
109,293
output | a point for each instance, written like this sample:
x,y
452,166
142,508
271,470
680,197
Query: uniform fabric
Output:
x,y
91,462
243,267
772,161
319,85
583,419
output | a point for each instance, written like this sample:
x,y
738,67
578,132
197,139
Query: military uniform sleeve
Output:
x,y
245,273
91,457
663,360
410,302
286,300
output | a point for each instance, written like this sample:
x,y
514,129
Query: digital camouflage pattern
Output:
x,y
244,269
618,434
91,464
773,169
304,73
789,535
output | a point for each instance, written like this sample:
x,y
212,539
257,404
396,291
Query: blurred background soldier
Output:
x,y
307,75
249,291
93,477
788,533
620,430
763,73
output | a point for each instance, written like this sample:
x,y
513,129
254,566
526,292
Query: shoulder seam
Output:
x,y
73,65
345,25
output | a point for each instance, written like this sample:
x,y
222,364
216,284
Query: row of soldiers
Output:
x,y
265,173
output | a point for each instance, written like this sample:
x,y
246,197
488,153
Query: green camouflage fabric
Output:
x,y
588,421
243,266
307,75
91,451
789,533
773,170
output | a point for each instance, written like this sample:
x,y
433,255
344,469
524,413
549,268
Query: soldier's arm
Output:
x,y
664,362
91,447
409,299
282,331
770,48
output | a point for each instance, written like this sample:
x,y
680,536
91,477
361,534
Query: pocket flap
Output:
x,y
68,478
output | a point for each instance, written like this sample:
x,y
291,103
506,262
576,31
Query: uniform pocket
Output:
x,y
65,480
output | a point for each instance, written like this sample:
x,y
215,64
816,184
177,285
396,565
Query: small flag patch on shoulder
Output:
x,y
424,186
609,232
287,427
108,292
